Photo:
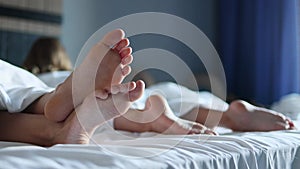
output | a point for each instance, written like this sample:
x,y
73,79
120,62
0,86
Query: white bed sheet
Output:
x,y
278,149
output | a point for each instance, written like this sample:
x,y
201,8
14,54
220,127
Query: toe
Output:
x,y
123,88
113,37
127,60
128,87
280,126
291,124
201,129
210,132
122,44
138,91
125,52
126,70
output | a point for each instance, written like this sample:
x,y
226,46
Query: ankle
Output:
x,y
48,136
225,120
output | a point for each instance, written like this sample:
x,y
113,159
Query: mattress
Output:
x,y
116,149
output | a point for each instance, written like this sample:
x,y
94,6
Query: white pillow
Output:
x,y
53,79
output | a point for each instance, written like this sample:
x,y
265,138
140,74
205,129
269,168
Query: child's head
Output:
x,y
47,55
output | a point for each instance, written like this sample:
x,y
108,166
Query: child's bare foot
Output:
x,y
158,117
242,116
102,68
93,112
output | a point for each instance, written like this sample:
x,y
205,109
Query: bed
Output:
x,y
117,149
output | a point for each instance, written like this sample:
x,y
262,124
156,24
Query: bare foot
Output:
x,y
242,116
102,68
158,117
93,112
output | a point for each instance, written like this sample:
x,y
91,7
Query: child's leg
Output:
x,y
157,117
101,68
27,128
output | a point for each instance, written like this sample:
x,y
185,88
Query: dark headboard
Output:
x,y
22,22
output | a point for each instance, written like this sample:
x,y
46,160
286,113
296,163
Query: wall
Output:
x,y
22,22
82,18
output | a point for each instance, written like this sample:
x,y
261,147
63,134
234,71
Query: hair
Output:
x,y
47,55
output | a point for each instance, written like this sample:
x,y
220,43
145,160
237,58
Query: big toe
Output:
x,y
137,92
113,37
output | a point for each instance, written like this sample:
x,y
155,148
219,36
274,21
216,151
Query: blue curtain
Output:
x,y
259,48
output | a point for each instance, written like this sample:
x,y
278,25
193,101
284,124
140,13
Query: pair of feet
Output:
x,y
158,117
94,92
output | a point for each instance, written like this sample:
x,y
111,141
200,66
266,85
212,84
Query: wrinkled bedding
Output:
x,y
115,149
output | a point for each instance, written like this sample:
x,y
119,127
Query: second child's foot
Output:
x,y
164,121
103,67
242,116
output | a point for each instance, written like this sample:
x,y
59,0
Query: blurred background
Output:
x,y
257,40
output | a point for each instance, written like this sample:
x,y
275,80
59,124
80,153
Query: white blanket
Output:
x,y
18,88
